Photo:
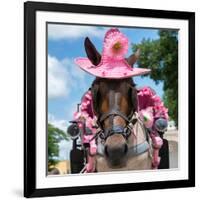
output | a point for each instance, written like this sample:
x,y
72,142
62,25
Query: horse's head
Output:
x,y
114,101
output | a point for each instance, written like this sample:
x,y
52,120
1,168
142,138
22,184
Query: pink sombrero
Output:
x,y
112,64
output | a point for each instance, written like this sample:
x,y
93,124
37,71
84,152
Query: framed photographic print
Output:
x,y
109,99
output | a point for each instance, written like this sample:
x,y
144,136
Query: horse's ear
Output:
x,y
133,58
92,53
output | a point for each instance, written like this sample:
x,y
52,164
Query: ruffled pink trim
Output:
x,y
151,104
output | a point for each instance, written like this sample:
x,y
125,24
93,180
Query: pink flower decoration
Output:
x,y
157,108
156,99
89,122
148,99
85,114
77,115
115,45
157,141
161,111
146,91
146,115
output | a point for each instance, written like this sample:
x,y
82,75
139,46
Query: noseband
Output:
x,y
125,131
114,129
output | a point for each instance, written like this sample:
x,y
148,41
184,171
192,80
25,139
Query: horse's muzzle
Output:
x,y
115,155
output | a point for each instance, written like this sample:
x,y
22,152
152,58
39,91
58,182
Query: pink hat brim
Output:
x,y
111,70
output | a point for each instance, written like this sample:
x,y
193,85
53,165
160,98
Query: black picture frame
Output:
x,y
30,9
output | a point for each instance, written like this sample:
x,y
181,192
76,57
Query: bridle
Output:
x,y
126,130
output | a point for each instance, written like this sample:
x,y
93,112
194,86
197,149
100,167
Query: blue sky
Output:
x,y
66,82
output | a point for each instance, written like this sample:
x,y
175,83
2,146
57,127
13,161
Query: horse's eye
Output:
x,y
95,96
132,94
102,136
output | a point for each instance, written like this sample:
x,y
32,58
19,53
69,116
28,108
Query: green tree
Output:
x,y
161,56
55,135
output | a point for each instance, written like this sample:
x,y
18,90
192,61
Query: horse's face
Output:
x,y
120,97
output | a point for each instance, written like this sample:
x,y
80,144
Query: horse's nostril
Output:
x,y
106,150
125,148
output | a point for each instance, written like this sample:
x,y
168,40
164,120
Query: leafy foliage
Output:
x,y
55,135
161,56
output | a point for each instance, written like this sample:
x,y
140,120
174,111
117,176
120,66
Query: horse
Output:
x,y
115,104
122,139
